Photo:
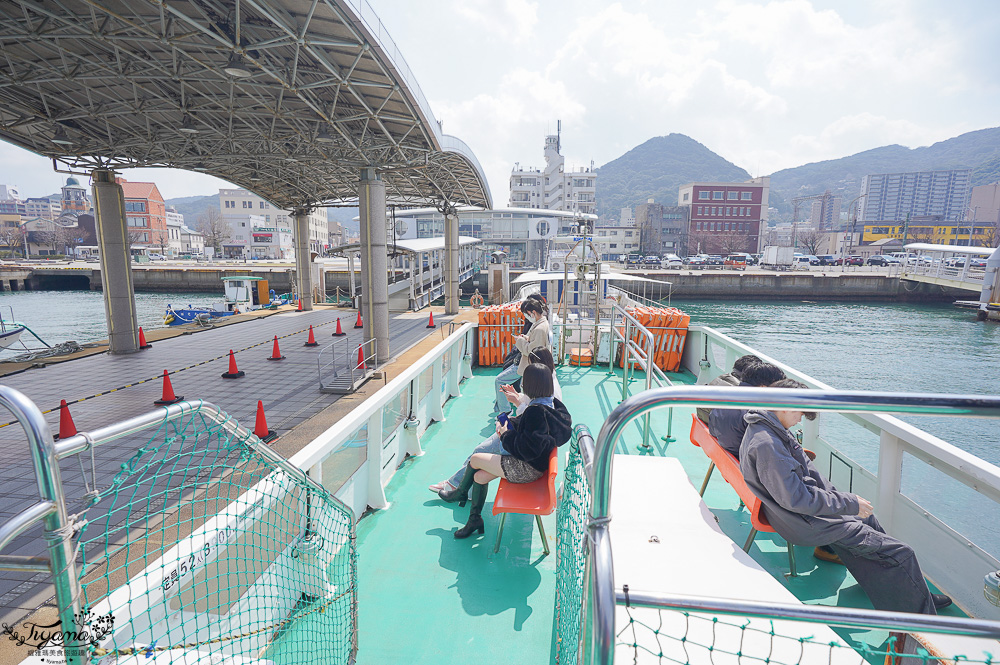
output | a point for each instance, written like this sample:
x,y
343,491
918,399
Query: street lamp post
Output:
x,y
852,216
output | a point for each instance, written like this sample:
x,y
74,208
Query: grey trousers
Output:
x,y
490,445
886,569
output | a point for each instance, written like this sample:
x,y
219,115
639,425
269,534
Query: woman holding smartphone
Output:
x,y
528,439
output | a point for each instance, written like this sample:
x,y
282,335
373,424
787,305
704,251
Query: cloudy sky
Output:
x,y
768,85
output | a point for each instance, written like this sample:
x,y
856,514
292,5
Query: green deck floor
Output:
x,y
425,597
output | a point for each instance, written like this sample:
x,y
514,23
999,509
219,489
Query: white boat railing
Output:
x,y
602,593
356,457
947,557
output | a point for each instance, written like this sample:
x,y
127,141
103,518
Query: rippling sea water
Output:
x,y
894,347
60,316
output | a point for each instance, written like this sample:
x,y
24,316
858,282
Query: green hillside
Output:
x,y
193,207
655,170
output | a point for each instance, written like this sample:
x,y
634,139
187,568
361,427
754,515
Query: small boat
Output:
x,y
10,329
243,294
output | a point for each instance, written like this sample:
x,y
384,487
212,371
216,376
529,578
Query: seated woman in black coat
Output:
x,y
529,438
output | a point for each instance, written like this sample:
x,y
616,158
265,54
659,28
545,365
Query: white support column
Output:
x,y
376,493
890,477
374,262
451,262
303,258
350,274
116,268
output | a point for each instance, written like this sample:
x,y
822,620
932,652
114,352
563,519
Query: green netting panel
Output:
x,y
203,551
674,636
571,553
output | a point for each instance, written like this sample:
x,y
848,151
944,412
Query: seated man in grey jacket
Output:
x,y
728,425
805,509
732,379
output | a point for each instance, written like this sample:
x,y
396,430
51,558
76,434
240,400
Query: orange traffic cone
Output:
x,y
312,338
143,344
260,429
361,360
358,324
430,324
340,332
299,309
67,427
276,352
233,373
168,392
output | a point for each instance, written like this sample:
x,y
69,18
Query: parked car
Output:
x,y
671,261
153,256
850,261
737,261
882,260
976,262
698,260
754,259
827,259
651,261
715,260
801,261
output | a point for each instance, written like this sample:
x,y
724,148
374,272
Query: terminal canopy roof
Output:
x,y
287,98
951,249
413,245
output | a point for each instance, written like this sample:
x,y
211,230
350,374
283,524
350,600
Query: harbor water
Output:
x,y
62,316
887,347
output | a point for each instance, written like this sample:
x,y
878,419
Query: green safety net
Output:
x,y
203,551
571,553
675,636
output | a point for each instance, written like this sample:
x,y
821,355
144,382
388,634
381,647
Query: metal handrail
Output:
x,y
46,455
602,595
849,617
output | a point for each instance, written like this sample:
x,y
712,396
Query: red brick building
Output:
x,y
725,217
145,215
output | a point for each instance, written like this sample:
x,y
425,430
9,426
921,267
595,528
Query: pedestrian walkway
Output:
x,y
127,386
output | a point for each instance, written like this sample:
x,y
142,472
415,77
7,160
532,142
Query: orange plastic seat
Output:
x,y
535,498
729,467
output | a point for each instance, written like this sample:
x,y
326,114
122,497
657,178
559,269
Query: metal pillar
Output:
x,y
303,258
374,262
116,268
451,262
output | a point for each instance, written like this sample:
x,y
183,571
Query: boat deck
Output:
x,y
424,596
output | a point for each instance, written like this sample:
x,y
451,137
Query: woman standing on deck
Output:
x,y
528,439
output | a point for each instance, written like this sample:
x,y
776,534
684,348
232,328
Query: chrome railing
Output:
x,y
58,533
602,593
341,362
920,485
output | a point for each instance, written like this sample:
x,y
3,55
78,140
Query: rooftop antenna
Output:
x,y
559,136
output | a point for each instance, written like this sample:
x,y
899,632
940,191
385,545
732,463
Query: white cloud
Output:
x,y
513,20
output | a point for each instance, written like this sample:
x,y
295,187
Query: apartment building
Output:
x,y
554,188
896,197
241,203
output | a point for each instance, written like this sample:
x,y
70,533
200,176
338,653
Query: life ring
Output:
x,y
476,300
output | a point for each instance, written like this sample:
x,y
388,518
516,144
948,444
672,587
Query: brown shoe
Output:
x,y
824,555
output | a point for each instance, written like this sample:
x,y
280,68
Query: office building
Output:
x,y
663,228
554,188
896,197
240,203
725,217
42,207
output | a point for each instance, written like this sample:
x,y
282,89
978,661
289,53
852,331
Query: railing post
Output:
x,y
376,494
455,370
436,409
890,476
467,346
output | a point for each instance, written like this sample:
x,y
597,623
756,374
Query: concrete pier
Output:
x,y
104,389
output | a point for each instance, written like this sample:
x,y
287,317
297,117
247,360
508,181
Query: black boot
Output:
x,y
475,522
460,493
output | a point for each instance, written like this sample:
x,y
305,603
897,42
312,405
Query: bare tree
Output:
x,y
810,240
990,237
12,237
162,241
919,234
135,236
700,242
733,242
215,228
63,237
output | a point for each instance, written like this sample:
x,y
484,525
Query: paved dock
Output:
x,y
289,389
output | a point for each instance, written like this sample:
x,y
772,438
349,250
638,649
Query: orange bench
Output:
x,y
535,498
729,467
